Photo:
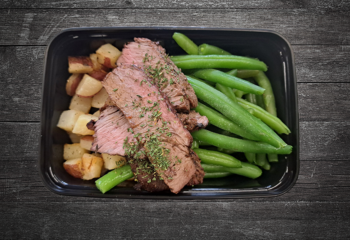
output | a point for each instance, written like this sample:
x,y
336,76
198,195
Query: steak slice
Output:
x,y
162,71
110,131
148,180
193,121
197,178
154,123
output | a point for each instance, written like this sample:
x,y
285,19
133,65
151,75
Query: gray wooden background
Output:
x,y
317,206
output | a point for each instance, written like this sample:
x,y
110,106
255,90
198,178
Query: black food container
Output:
x,y
267,46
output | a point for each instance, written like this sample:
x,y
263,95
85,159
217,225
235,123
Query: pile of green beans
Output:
x,y
240,101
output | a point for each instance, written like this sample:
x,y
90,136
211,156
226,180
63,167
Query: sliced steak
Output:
x,y
147,178
162,72
193,121
110,131
155,124
197,178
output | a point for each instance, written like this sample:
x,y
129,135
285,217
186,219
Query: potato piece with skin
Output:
x,y
86,142
72,83
113,161
108,55
88,87
74,167
80,125
92,166
75,138
80,104
98,74
68,119
80,64
99,99
96,65
73,151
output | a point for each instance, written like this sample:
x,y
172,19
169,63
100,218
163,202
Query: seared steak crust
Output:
x,y
146,180
193,121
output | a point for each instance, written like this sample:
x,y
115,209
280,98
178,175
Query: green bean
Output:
x,y
268,96
217,158
217,175
269,102
206,49
113,178
247,170
274,122
228,80
195,144
235,113
262,161
238,93
227,91
227,151
185,43
220,121
238,145
232,72
241,73
251,157
251,98
272,157
260,101
205,81
217,61
203,144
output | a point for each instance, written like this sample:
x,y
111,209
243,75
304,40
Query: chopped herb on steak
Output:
x,y
161,71
153,129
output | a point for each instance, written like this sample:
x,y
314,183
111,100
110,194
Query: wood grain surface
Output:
x,y
317,207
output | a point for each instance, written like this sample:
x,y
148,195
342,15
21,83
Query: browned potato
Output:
x,y
73,151
96,65
99,99
88,87
80,104
108,55
68,119
74,167
72,83
80,65
92,166
86,142
80,125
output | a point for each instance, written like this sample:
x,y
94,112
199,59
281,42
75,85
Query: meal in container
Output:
x,y
165,130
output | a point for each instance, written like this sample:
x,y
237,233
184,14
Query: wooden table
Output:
x,y
317,206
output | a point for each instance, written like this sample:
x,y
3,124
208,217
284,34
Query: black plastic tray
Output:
x,y
268,46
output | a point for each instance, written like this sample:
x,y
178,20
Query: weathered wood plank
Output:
x,y
175,220
324,101
197,4
22,71
325,178
300,26
322,63
324,140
